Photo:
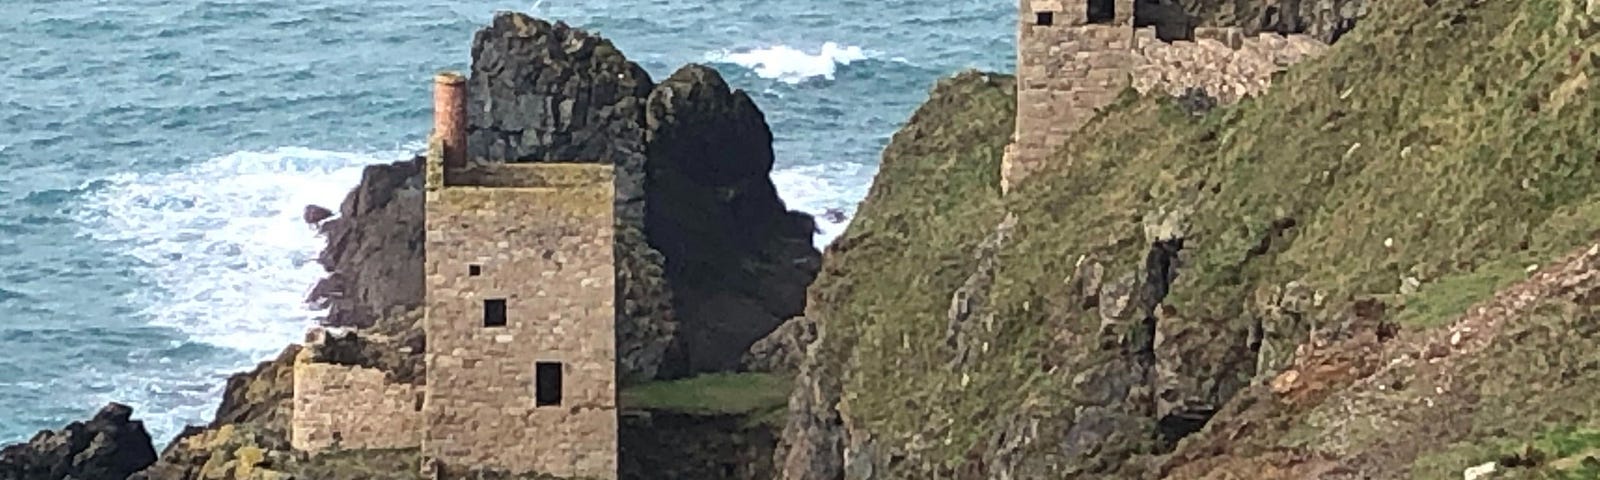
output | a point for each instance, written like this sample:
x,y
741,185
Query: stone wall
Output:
x,y
548,252
351,407
1069,68
1065,70
1222,61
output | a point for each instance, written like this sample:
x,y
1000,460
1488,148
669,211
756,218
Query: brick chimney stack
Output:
x,y
450,117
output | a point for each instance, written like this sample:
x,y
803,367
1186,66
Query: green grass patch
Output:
x,y
1567,453
1440,302
712,394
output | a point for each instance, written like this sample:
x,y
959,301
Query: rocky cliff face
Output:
x,y
738,261
109,446
374,248
1300,286
719,262
546,92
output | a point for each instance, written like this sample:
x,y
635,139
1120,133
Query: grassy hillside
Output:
x,y
1167,260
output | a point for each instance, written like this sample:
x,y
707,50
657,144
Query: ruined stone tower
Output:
x,y
1076,56
1073,56
519,310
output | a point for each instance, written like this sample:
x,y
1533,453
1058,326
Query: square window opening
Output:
x,y
547,384
1102,11
1044,18
494,312
474,270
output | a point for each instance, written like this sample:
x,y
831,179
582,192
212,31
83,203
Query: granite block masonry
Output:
x,y
519,319
1075,57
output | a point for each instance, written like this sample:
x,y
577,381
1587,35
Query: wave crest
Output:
x,y
792,65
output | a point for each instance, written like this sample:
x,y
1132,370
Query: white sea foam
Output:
x,y
230,259
792,65
815,189
223,241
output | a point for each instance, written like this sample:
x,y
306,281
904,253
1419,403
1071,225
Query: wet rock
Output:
x,y
315,214
110,446
374,248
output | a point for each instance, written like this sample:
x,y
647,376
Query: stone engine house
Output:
x,y
518,319
519,312
1076,56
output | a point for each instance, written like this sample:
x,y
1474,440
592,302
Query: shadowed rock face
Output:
x,y
110,446
719,263
1327,20
738,260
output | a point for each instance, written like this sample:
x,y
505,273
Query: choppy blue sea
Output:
x,y
157,154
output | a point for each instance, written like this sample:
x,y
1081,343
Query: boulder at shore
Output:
x,y
110,446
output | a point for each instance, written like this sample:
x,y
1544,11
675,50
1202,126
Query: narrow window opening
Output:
x,y
494,312
420,397
474,270
1044,18
1102,11
547,383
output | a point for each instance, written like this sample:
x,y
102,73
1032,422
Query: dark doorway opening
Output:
x,y
547,384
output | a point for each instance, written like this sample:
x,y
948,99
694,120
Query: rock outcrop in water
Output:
x,y
374,248
112,445
558,89
710,259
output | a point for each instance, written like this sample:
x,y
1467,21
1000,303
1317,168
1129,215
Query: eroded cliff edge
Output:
x,y
1234,292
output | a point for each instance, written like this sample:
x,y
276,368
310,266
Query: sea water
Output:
x,y
156,155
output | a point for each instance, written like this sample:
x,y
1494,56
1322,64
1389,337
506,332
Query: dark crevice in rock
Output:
x,y
1160,270
1175,426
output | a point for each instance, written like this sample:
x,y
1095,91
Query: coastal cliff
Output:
x,y
1383,266
1318,282
697,213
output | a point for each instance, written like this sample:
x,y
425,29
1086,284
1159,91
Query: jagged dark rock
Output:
x,y
263,395
738,260
110,446
374,248
543,92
